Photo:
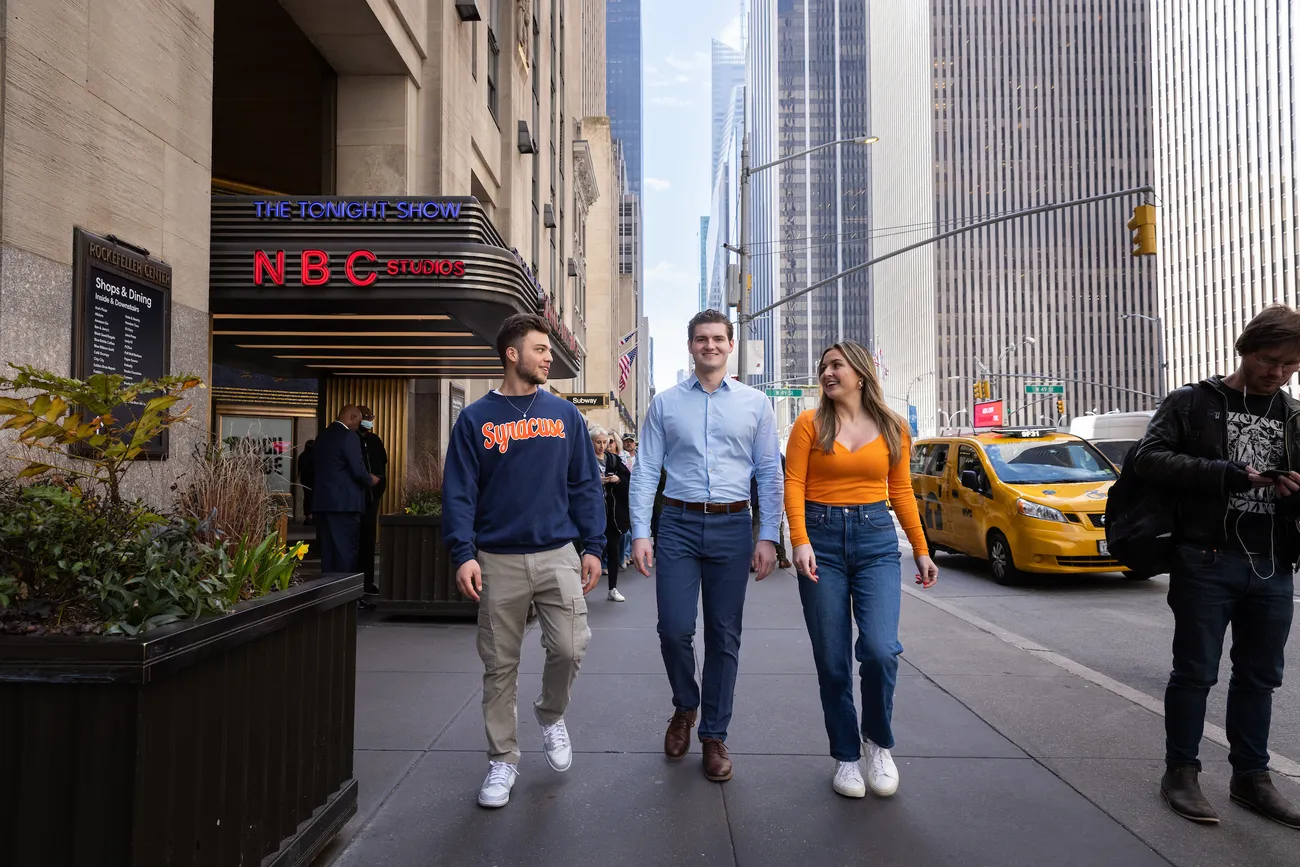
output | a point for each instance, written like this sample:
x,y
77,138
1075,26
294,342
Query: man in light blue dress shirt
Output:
x,y
712,435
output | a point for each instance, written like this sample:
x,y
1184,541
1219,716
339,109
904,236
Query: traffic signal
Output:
x,y
1060,407
982,390
1143,229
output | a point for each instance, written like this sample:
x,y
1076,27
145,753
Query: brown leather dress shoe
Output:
x,y
717,764
677,740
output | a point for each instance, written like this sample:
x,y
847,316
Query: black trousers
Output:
x,y
366,547
337,534
613,552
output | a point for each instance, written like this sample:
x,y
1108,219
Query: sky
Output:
x,y
677,159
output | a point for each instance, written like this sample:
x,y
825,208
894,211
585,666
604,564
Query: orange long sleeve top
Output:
x,y
846,478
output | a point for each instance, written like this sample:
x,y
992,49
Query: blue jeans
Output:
x,y
1208,590
858,578
695,551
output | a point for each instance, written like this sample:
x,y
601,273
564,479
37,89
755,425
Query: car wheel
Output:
x,y
1000,559
1139,576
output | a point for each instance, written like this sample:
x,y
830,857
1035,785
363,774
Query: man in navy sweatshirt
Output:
x,y
521,485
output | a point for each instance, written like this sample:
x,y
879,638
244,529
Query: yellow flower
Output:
x,y
300,550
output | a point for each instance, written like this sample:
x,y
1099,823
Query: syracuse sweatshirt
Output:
x,y
520,478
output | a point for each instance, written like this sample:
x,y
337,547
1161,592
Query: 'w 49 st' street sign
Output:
x,y
1044,388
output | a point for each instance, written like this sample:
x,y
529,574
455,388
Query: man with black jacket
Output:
x,y
375,457
340,492
1228,449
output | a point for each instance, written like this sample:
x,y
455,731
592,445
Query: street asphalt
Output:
x,y
1005,758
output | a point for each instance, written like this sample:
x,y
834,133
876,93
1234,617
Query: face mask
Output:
x,y
368,425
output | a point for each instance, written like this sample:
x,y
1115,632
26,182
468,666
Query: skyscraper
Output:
x,y
759,114
1226,165
823,95
704,262
727,73
624,95
1033,104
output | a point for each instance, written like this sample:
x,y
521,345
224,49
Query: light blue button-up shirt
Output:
x,y
712,446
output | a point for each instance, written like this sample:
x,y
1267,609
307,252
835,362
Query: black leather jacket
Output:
x,y
1186,452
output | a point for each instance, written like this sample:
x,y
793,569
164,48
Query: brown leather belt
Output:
x,y
709,508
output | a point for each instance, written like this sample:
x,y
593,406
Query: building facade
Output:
x,y
625,90
727,73
902,205
824,210
1033,104
704,263
342,219
759,116
1226,166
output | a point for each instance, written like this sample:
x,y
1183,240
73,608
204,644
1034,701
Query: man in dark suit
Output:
x,y
340,492
376,460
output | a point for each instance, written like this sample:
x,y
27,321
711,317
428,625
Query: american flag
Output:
x,y
629,336
881,370
625,367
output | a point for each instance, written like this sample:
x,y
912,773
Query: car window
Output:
x,y
1116,450
967,459
1030,463
938,461
919,455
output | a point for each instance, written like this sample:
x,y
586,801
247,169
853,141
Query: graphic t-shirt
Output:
x,y
1256,426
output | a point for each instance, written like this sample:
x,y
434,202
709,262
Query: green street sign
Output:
x,y
784,392
1044,388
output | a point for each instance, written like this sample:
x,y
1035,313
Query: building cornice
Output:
x,y
584,174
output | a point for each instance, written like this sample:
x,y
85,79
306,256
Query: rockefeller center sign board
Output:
x,y
121,312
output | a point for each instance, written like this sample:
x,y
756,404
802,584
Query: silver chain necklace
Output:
x,y
523,412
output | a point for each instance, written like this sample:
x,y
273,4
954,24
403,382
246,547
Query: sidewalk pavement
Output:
x,y
1004,759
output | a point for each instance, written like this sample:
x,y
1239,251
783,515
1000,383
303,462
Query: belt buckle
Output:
x,y
714,508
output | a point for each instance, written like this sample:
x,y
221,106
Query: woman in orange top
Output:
x,y
842,462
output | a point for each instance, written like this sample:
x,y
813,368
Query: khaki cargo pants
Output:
x,y
552,582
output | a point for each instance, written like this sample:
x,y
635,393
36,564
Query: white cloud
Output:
x,y
657,184
696,62
671,101
731,33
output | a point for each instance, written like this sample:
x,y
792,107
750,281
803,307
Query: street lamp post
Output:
x,y
742,308
1160,338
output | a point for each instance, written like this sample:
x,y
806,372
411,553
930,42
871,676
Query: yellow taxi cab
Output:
x,y
1026,500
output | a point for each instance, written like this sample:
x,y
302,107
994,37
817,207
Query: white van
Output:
x,y
1113,435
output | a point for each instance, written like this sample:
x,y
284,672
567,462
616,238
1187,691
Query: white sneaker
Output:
x,y
848,781
882,773
496,788
556,745
615,596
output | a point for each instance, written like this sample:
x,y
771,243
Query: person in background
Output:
x,y
521,483
848,461
340,492
307,478
1227,449
614,476
376,459
628,457
711,434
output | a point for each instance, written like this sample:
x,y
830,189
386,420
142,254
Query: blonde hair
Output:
x,y
890,423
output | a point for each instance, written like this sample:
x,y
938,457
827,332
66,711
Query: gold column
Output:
x,y
387,397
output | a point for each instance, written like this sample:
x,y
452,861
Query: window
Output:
x,y
919,455
494,60
938,461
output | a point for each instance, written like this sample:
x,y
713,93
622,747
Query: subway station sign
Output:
x,y
588,401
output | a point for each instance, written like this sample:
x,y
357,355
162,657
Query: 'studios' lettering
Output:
x,y
499,436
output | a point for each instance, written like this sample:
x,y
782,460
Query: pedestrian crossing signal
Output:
x,y
1143,231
